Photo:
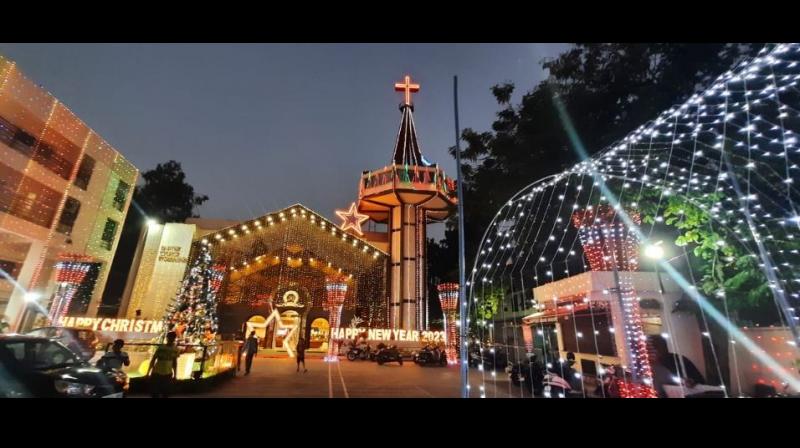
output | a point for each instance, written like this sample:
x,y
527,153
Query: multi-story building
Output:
x,y
64,193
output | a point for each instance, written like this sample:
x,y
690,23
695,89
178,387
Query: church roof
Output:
x,y
406,148
243,229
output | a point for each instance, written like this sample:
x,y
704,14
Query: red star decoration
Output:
x,y
351,219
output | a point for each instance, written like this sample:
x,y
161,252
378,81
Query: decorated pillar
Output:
x,y
448,298
335,291
70,274
610,245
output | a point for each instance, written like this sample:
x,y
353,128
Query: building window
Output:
x,y
16,138
68,216
85,171
11,268
121,195
109,231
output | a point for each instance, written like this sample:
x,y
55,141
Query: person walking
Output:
x,y
250,348
301,354
164,367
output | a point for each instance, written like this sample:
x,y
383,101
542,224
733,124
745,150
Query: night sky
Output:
x,y
261,126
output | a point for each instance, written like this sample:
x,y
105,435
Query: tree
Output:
x,y
729,275
164,196
193,314
607,89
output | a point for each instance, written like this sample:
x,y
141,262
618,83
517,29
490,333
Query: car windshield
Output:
x,y
43,332
40,355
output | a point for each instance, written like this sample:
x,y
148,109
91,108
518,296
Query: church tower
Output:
x,y
406,195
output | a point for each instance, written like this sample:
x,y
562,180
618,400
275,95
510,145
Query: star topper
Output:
x,y
351,219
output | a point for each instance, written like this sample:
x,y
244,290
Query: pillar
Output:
x,y
335,291
448,298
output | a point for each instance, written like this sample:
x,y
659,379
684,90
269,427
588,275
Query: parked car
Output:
x,y
81,341
40,367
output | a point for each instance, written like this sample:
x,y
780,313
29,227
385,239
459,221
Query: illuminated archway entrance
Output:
x,y
287,330
320,332
258,324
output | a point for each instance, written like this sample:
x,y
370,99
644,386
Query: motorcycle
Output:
x,y
555,386
364,354
563,380
388,354
541,381
529,374
428,357
491,357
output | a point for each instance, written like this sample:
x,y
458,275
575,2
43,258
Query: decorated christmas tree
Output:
x,y
193,313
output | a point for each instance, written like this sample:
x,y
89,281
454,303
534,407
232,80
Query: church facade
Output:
x,y
276,270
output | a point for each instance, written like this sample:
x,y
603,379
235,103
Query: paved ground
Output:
x,y
277,377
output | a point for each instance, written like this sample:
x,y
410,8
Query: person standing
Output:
x,y
114,359
164,367
250,348
301,354
670,369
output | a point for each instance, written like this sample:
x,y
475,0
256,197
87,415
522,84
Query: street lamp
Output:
x,y
654,251
30,299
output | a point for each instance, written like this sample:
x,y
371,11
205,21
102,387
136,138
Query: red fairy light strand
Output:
x,y
335,295
448,298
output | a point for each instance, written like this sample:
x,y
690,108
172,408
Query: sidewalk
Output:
x,y
276,353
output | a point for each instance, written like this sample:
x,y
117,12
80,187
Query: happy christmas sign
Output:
x,y
110,324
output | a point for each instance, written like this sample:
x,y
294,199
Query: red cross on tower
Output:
x,y
406,87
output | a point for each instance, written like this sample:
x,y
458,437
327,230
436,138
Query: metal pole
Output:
x,y
461,276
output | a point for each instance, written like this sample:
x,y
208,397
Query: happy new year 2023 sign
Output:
x,y
386,334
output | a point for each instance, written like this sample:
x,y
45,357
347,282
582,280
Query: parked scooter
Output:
x,y
562,380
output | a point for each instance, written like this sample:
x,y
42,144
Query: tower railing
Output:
x,y
422,178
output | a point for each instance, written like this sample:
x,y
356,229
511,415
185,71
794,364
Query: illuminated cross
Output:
x,y
351,219
406,87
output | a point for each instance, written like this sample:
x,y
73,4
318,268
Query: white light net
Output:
x,y
664,265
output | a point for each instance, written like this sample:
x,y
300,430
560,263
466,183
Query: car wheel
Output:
x,y
351,356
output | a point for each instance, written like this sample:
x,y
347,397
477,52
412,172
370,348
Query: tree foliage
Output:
x,y
729,270
165,194
608,89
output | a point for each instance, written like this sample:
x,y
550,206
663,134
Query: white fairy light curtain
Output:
x,y
713,183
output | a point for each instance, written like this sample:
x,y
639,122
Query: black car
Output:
x,y
42,368
81,341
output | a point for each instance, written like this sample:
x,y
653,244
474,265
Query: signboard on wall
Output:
x,y
161,268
